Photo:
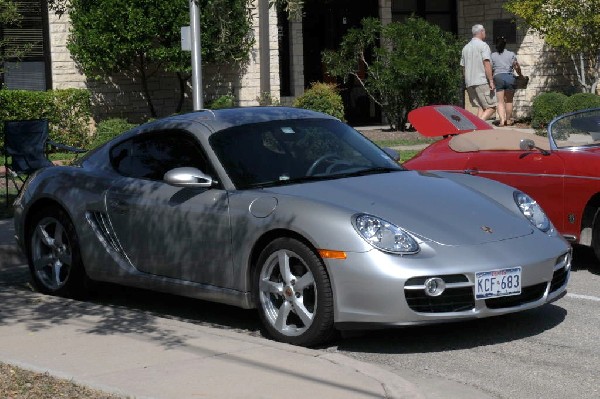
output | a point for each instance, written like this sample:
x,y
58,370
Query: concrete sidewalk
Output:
x,y
136,354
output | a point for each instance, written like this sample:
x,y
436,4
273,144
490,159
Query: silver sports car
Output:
x,y
294,213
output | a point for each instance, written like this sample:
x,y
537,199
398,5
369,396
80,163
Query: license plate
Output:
x,y
496,283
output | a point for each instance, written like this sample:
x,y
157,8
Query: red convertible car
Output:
x,y
561,171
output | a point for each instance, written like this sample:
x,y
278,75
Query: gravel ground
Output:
x,y
16,383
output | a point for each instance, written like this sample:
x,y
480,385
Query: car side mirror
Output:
x,y
392,153
188,177
526,144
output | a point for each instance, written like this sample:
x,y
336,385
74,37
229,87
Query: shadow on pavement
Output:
x,y
457,336
115,310
195,311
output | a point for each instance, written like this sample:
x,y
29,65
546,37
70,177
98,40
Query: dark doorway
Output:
x,y
439,12
325,23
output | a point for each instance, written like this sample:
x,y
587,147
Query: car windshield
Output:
x,y
577,129
293,151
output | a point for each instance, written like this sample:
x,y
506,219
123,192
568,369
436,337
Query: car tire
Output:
x,y
293,294
596,235
53,254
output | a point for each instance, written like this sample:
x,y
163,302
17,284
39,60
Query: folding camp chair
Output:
x,y
26,143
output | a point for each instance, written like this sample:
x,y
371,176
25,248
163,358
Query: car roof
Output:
x,y
206,122
216,120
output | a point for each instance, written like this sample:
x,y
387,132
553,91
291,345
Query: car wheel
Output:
x,y
54,257
293,294
596,235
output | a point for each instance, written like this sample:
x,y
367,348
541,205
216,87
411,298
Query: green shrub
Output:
x,y
581,101
225,101
266,99
545,107
322,97
68,112
109,129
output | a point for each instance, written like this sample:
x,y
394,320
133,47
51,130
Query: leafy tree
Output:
x,y
572,26
142,37
416,64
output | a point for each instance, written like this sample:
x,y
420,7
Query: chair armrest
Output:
x,y
65,147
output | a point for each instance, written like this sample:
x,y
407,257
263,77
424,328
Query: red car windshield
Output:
x,y
581,128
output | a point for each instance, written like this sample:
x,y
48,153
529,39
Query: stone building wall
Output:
x,y
247,89
64,71
385,11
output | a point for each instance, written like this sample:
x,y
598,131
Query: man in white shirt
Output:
x,y
477,69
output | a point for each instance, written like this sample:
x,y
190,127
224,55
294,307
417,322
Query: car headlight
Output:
x,y
384,235
532,211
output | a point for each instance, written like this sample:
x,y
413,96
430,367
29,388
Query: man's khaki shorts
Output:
x,y
481,96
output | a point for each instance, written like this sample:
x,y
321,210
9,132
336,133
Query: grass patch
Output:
x,y
408,154
16,383
405,155
400,142
63,156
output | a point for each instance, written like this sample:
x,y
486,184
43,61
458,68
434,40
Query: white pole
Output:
x,y
196,54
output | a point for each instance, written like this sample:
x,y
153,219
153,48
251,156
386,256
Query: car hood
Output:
x,y
428,206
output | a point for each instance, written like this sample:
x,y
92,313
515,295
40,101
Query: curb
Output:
x,y
395,387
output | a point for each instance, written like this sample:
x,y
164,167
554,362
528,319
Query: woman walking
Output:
x,y
504,64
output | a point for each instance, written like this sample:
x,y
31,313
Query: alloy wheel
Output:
x,y
51,253
288,293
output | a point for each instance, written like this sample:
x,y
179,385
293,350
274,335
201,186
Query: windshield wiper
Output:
x,y
304,179
370,171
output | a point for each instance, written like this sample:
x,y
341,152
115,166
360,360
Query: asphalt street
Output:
x,y
550,352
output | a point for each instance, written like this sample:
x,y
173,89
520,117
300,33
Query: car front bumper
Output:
x,y
379,288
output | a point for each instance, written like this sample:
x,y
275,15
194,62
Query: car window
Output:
x,y
150,156
280,152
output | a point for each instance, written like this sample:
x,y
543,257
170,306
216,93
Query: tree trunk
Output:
x,y
580,70
182,81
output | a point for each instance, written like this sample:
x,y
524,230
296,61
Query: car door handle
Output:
x,y
118,206
473,171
